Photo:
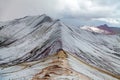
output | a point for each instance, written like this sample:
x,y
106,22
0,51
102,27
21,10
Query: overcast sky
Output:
x,y
77,11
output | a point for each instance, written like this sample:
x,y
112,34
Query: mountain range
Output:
x,y
41,48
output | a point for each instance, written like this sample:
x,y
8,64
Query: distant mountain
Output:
x,y
104,29
96,29
112,30
41,48
115,30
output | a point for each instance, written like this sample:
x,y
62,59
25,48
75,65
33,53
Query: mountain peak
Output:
x,y
106,28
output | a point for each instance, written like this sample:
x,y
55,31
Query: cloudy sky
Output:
x,y
77,12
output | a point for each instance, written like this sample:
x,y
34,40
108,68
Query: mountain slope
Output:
x,y
32,45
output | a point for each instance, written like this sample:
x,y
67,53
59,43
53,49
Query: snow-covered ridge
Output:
x,y
33,38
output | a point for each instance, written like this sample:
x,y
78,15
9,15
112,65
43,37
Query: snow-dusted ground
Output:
x,y
33,38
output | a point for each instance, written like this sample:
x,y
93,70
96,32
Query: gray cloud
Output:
x,y
20,8
65,9
3,5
